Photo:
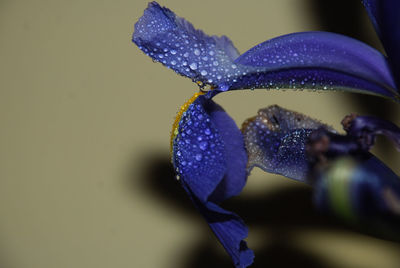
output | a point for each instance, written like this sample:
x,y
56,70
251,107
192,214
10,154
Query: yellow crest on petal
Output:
x,y
183,108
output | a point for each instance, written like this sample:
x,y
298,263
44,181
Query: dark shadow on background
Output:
x,y
282,213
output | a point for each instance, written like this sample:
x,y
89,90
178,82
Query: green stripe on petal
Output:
x,y
338,179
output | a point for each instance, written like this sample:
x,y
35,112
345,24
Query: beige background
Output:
x,y
85,119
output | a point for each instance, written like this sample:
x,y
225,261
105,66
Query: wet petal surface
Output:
x,y
309,60
174,42
316,60
275,141
210,159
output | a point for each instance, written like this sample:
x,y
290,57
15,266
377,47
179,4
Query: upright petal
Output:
x,y
311,60
210,160
275,141
174,42
384,15
316,60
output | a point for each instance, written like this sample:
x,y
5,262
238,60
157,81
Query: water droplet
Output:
x,y
215,63
204,72
207,131
193,66
196,52
211,53
173,62
186,55
203,145
173,52
198,157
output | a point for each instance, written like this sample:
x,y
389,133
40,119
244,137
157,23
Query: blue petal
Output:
x,y
385,17
360,189
276,139
235,154
209,151
228,228
210,159
312,60
317,60
174,42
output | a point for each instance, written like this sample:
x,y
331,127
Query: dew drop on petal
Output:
x,y
203,145
198,157
193,66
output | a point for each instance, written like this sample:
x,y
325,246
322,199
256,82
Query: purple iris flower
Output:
x,y
208,149
348,180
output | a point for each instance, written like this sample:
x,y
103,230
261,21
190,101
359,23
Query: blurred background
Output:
x,y
85,116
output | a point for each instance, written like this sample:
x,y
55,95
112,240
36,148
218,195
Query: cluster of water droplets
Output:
x,y
275,141
175,43
197,149
314,61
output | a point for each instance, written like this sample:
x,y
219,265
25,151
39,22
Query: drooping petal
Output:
x,y
228,228
384,14
210,160
235,153
276,139
316,60
174,42
365,128
209,151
